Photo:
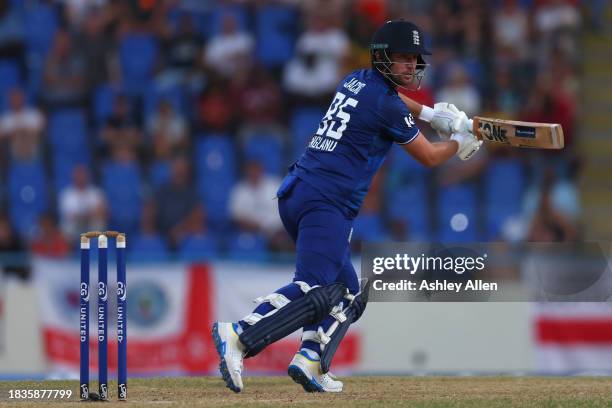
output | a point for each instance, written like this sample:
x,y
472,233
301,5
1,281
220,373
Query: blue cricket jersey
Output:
x,y
364,119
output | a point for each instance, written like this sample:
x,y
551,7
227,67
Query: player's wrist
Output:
x,y
426,114
459,138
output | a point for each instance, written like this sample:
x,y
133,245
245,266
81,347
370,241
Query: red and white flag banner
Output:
x,y
171,308
168,318
573,337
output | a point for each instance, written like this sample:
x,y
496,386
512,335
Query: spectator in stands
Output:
x,y
65,75
79,11
11,244
178,204
259,98
22,125
259,103
529,72
82,206
321,51
548,103
561,71
148,219
230,50
511,29
49,240
554,15
214,109
149,244
12,32
551,210
557,22
596,11
508,101
183,48
194,226
252,204
168,132
97,45
475,40
365,17
446,35
120,128
459,91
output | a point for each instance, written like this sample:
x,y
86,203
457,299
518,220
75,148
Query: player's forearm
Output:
x,y
442,151
431,154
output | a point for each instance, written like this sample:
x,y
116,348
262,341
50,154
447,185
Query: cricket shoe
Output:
x,y
230,352
306,371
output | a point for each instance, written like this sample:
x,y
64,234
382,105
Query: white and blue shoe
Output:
x,y
230,350
306,371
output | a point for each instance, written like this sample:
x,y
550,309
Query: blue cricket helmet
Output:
x,y
399,36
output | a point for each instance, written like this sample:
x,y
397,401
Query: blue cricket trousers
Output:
x,y
321,234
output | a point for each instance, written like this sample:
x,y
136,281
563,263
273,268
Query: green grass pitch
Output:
x,y
423,392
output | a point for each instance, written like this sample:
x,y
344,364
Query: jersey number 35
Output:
x,y
334,114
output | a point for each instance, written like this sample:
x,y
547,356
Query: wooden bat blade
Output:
x,y
519,134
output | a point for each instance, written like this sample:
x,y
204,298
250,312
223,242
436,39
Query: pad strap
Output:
x,y
311,308
321,336
277,300
330,340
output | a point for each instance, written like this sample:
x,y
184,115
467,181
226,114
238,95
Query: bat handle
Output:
x,y
473,128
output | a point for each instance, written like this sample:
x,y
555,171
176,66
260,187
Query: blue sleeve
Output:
x,y
397,120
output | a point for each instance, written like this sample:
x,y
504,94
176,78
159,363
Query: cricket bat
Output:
x,y
509,132
518,134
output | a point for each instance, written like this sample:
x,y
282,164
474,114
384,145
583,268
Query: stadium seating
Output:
x,y
156,94
369,228
103,100
275,32
401,163
137,54
457,204
159,173
303,124
474,69
122,185
197,248
28,195
502,199
409,203
216,158
9,78
216,174
149,248
69,144
68,132
266,149
42,21
215,19
247,246
208,24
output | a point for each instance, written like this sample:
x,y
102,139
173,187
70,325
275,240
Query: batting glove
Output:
x,y
447,119
468,145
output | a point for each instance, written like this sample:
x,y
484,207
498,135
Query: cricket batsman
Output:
x,y
321,196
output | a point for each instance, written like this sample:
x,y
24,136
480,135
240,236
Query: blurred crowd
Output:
x,y
174,120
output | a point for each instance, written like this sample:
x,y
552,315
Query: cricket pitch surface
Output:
x,y
490,392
